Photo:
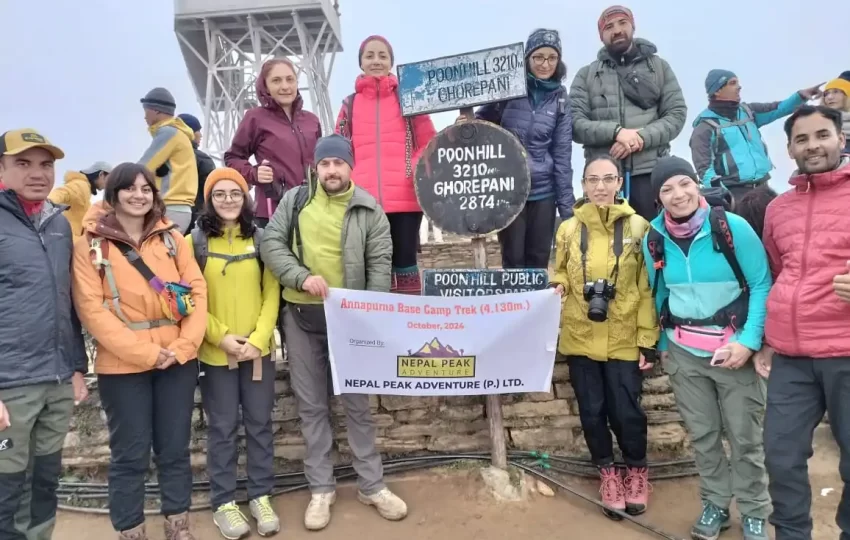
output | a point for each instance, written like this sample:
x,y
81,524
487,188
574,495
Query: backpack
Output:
x,y
637,227
200,245
562,105
734,314
718,144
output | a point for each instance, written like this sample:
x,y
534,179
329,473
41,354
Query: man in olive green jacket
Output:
x,y
628,103
333,234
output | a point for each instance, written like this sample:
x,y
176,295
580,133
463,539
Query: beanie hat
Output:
x,y
383,40
841,83
614,11
335,146
160,100
191,121
224,173
717,79
543,37
668,167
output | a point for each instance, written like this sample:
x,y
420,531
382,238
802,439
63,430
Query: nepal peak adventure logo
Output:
x,y
434,360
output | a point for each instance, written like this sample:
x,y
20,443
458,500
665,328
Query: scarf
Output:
x,y
726,109
691,226
31,208
538,88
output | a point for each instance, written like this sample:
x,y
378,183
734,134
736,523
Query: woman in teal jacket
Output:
x,y
712,322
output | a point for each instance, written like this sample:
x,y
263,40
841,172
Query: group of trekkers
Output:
x,y
181,278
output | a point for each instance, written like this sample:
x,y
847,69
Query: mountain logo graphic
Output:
x,y
433,360
435,349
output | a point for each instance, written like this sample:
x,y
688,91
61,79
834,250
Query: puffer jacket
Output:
x,y
365,243
546,132
75,193
266,133
172,147
378,135
806,237
631,323
599,106
121,350
40,336
845,116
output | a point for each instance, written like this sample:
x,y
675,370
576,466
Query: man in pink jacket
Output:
x,y
807,238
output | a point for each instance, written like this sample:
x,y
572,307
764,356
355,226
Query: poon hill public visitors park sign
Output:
x,y
473,177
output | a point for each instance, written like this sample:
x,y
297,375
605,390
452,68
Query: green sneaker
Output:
x,y
267,521
231,522
711,523
754,528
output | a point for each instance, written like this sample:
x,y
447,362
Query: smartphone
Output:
x,y
720,355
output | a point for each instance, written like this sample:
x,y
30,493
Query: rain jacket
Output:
x,y
378,135
546,132
631,323
743,155
171,157
365,246
267,133
701,282
806,236
121,350
599,107
75,193
40,336
239,300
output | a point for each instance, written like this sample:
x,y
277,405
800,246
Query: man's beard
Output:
x,y
621,47
830,164
343,187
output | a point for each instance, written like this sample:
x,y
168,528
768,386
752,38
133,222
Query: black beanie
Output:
x,y
667,168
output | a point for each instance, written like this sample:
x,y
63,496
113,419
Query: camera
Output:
x,y
598,293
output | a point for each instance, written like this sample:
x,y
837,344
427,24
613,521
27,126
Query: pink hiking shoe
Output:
x,y
637,490
613,490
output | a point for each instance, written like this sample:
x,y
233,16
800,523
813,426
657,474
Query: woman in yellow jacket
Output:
x,y
237,366
608,329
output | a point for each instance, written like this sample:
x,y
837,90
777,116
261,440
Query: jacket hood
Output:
x,y
601,216
176,123
265,98
75,176
644,46
822,180
372,86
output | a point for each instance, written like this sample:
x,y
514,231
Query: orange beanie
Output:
x,y
224,173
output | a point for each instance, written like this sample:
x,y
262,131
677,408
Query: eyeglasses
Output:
x,y
608,179
221,196
539,59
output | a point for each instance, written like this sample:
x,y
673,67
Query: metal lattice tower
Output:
x,y
225,42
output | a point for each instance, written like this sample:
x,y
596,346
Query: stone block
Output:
x,y
553,422
386,445
658,401
281,387
293,452
666,436
412,416
656,385
72,440
285,408
565,391
412,431
558,407
461,412
537,438
561,372
401,403
460,443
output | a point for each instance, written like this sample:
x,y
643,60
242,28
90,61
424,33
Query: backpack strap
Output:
x,y
721,236
347,128
301,197
200,246
655,245
170,244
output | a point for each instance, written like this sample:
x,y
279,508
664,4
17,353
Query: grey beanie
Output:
x,y
160,100
335,146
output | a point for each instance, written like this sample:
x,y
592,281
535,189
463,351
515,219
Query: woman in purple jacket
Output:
x,y
542,122
280,135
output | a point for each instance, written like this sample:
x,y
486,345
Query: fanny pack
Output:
x,y
309,317
702,338
175,298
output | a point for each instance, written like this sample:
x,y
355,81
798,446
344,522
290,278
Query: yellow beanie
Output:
x,y
224,173
838,84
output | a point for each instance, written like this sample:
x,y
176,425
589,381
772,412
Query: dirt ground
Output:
x,y
452,504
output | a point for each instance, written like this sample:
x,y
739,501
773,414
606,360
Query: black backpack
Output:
x,y
735,314
200,245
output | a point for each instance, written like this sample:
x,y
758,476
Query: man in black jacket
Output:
x,y
205,163
42,352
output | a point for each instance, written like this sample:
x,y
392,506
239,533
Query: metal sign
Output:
x,y
472,178
440,282
464,80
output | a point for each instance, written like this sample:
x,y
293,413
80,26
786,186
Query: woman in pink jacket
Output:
x,y
386,148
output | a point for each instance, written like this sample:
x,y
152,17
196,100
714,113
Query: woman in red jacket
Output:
x,y
386,148
280,135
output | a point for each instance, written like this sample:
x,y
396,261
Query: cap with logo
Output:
x,y
17,141
98,166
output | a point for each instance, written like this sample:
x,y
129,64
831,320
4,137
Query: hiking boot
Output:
x,y
177,527
136,533
637,490
231,522
389,505
711,523
267,521
613,491
754,528
318,513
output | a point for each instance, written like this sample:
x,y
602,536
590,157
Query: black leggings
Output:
x,y
404,229
527,241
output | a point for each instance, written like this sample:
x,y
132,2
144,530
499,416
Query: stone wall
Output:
x,y
409,425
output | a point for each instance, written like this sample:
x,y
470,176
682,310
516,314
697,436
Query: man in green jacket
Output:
x,y
628,103
332,234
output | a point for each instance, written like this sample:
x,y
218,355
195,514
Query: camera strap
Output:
x,y
618,249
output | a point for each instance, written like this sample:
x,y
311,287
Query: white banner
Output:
x,y
382,343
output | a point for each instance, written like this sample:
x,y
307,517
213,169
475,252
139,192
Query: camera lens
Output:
x,y
597,310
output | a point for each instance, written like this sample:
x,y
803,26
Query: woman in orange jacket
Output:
x,y
143,298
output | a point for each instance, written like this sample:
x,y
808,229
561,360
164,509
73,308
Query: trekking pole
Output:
x,y
268,191
627,179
